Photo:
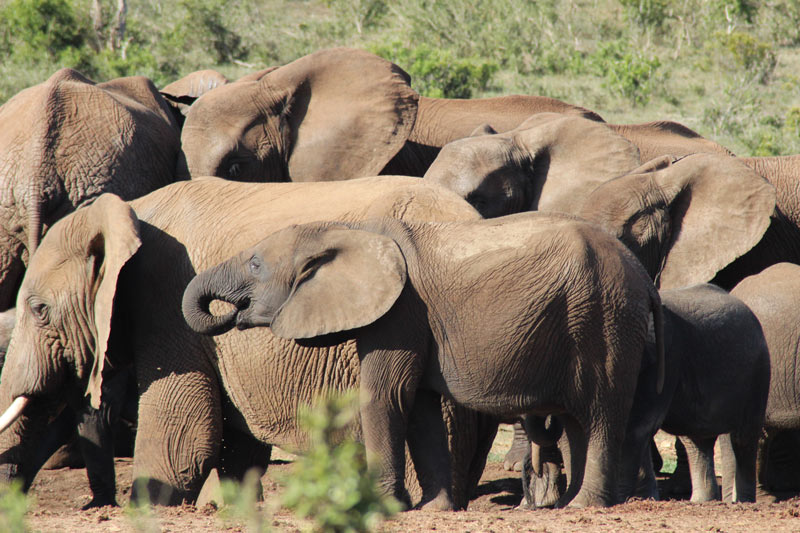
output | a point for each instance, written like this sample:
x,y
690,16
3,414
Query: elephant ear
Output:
x,y
113,238
356,278
182,93
694,216
349,113
572,156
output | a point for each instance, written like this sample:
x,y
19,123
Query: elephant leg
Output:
x,y
241,453
515,456
655,457
485,435
427,443
179,433
96,439
680,481
739,451
574,458
58,433
542,489
700,452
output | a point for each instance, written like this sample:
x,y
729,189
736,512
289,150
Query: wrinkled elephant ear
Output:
x,y
349,112
572,156
357,277
686,220
113,239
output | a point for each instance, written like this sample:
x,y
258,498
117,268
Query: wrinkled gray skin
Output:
x,y
717,380
552,162
68,140
772,295
109,280
336,114
689,221
427,304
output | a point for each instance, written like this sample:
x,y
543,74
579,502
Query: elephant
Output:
x,y
771,294
528,314
553,161
335,114
181,93
716,383
66,141
105,291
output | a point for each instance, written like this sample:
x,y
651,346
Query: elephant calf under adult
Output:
x,y
532,313
773,295
105,293
716,382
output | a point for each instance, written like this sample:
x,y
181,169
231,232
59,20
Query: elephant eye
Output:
x,y
40,311
255,266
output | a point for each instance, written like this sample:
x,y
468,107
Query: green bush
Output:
x,y
437,73
756,59
647,13
42,28
626,71
13,506
331,484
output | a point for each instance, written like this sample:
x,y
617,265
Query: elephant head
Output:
x,y
550,162
686,219
59,347
65,142
281,281
334,114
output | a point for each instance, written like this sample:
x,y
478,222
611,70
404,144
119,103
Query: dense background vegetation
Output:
x,y
728,68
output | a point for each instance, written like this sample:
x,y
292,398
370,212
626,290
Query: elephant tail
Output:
x,y
658,329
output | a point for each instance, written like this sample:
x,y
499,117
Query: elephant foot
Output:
x,y
765,496
543,490
515,457
442,502
100,502
585,499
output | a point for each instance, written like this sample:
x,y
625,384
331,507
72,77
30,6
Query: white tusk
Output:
x,y
13,412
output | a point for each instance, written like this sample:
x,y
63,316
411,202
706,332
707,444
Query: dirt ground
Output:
x,y
60,494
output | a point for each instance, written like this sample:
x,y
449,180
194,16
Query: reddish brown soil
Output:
x,y
61,493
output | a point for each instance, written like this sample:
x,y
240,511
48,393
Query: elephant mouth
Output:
x,y
246,319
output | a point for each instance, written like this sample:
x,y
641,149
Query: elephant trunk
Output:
x,y
224,282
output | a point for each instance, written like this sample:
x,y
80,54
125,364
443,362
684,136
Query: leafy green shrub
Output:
x,y
647,13
792,122
39,28
331,484
626,70
241,502
437,73
755,59
13,506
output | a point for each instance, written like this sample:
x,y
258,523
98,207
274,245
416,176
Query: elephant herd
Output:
x,y
219,253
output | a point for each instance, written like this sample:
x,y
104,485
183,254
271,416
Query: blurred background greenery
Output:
x,y
729,69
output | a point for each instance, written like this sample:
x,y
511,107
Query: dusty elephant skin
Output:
x,y
717,378
428,303
68,140
196,393
772,295
336,114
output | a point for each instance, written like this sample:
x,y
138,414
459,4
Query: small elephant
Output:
x,y
336,114
717,374
105,294
528,314
772,295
